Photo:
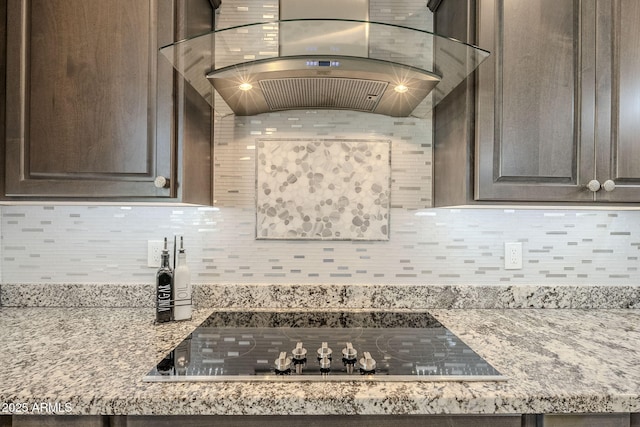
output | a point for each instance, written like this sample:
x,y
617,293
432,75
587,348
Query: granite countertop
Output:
x,y
92,360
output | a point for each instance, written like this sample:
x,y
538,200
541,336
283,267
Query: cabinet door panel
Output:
x,y
81,112
587,420
327,421
538,91
60,421
89,94
618,119
532,100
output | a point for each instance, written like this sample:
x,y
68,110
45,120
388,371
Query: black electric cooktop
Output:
x,y
322,346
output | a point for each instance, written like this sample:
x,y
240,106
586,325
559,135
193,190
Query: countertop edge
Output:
x,y
266,295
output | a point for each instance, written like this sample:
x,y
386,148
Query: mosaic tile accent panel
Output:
x,y
322,189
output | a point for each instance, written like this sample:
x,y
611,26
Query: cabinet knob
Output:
x,y
593,185
161,182
609,185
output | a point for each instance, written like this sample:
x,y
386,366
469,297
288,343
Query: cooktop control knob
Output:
x,y
325,364
324,351
283,364
349,354
299,353
367,364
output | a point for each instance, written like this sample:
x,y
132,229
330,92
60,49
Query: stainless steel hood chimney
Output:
x,y
307,61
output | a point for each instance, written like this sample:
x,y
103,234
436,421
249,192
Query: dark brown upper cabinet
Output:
x,y
617,116
93,111
552,115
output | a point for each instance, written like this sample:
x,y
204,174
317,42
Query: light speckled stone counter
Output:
x,y
329,295
93,359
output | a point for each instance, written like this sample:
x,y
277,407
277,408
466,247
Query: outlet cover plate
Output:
x,y
513,255
154,253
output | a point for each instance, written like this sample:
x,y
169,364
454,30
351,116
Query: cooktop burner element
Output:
x,y
322,346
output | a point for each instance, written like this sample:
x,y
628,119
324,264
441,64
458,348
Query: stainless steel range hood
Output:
x,y
350,83
314,63
326,66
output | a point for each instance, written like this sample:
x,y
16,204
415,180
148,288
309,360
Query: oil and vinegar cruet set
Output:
x,y
173,286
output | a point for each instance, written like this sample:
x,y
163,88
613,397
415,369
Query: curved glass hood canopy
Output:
x,y
323,64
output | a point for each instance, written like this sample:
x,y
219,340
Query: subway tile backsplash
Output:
x,y
107,244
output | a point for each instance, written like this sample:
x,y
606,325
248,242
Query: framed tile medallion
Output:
x,y
323,189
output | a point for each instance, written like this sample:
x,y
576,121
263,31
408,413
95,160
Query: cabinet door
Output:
x,y
326,421
586,420
60,421
535,103
84,85
618,97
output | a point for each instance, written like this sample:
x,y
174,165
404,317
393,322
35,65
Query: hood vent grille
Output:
x,y
322,92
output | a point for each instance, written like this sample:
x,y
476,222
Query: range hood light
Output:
x,y
401,88
245,86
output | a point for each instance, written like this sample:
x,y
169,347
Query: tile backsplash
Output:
x,y
107,244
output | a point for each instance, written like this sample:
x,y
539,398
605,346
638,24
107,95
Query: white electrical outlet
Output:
x,y
512,255
154,253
